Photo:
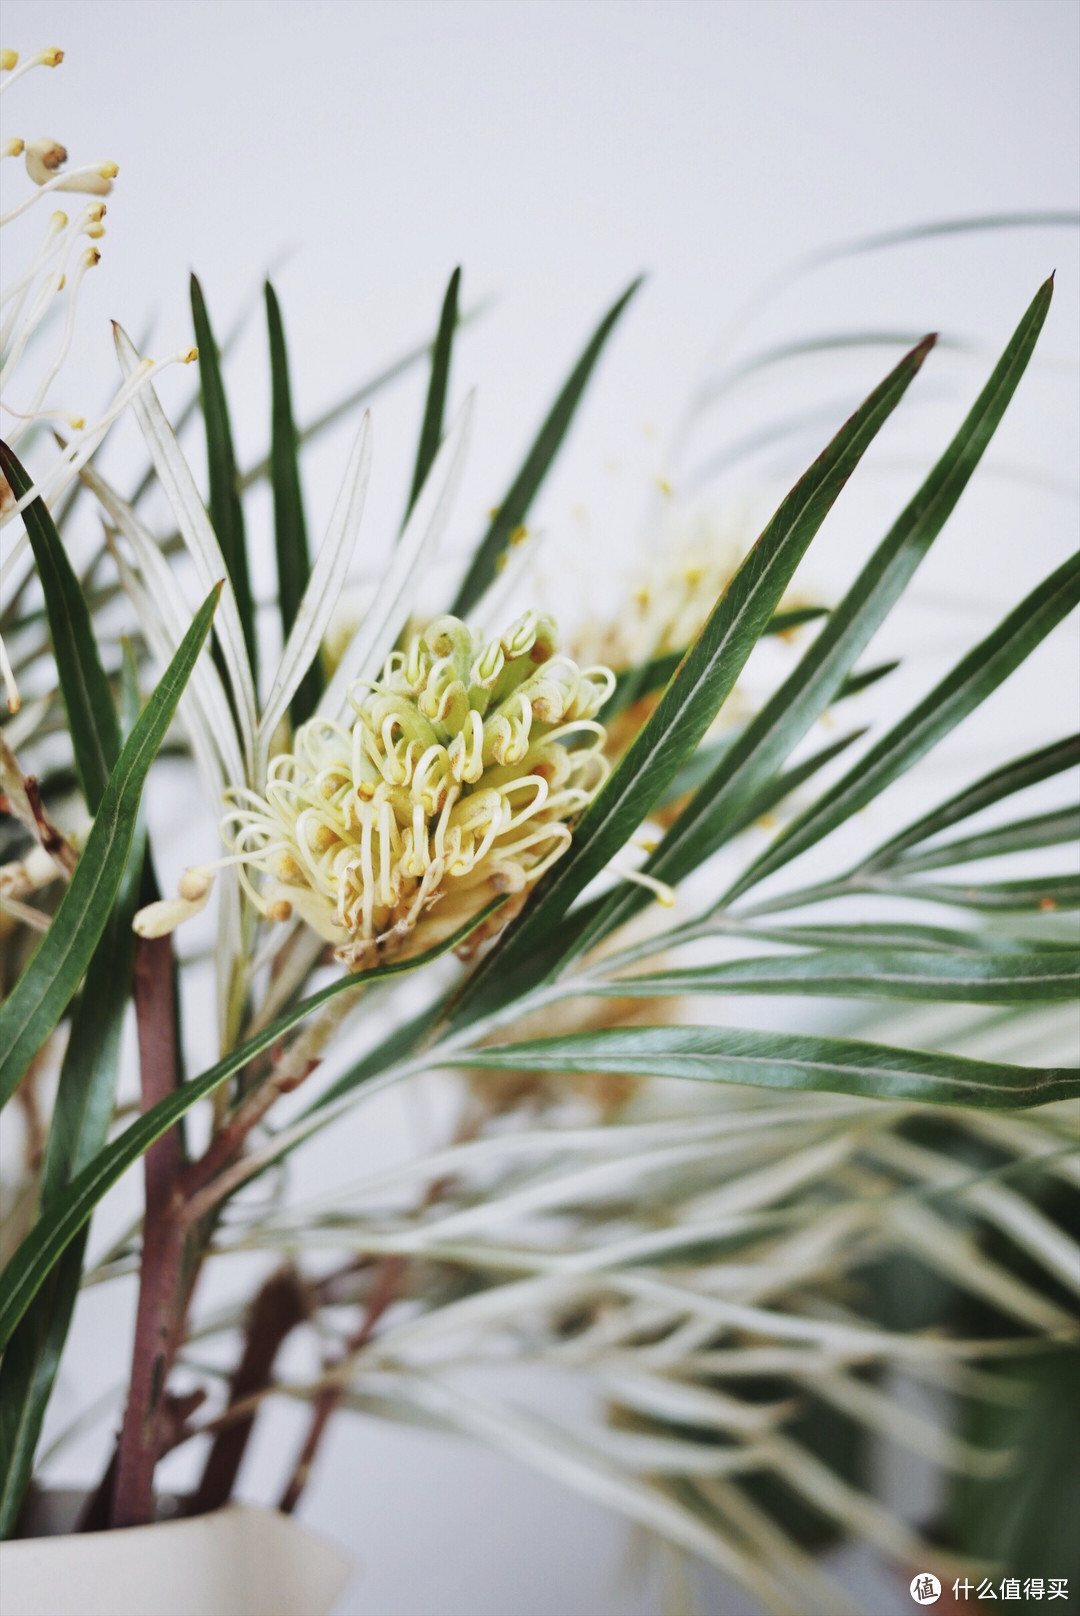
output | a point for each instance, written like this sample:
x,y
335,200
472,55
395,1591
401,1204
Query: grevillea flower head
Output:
x,y
455,782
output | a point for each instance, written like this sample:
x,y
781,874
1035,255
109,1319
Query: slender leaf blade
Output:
x,y
226,511
793,1062
1002,782
958,694
891,935
515,506
435,404
79,1129
646,678
1019,836
802,698
42,993
1043,893
702,683
35,1258
290,526
1011,978
84,686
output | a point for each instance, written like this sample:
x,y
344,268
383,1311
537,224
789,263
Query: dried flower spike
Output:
x,y
454,783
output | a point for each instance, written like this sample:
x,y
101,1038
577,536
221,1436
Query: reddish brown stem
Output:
x,y
385,1290
280,1306
201,1193
161,1277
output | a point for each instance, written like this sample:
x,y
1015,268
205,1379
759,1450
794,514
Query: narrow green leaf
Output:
x,y
959,693
226,512
84,686
703,762
703,682
1032,219
290,528
1043,830
514,508
79,1129
782,785
1002,782
42,993
856,683
899,934
648,677
789,1061
35,1258
802,698
435,407
1041,892
356,396
873,973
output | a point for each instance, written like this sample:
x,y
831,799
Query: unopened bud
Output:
x,y
161,918
8,60
44,158
195,884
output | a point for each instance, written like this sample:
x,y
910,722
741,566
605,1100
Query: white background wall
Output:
x,y
555,150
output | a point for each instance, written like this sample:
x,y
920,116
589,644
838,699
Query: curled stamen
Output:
x,y
449,789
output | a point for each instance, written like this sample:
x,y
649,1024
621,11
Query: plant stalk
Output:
x,y
161,1278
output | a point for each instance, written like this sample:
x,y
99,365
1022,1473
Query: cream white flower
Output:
x,y
454,782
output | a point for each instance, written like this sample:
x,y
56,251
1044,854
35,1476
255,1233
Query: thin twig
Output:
x,y
384,1292
217,1172
279,1307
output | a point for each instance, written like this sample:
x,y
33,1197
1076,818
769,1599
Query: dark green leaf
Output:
x,y
358,395
1041,892
789,1061
897,934
870,973
434,408
44,990
226,512
769,738
79,1128
1044,830
648,677
856,683
958,694
92,723
782,785
1003,782
290,528
701,685
514,508
35,1258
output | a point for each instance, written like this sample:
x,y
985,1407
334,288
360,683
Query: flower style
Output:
x,y
454,784
55,272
